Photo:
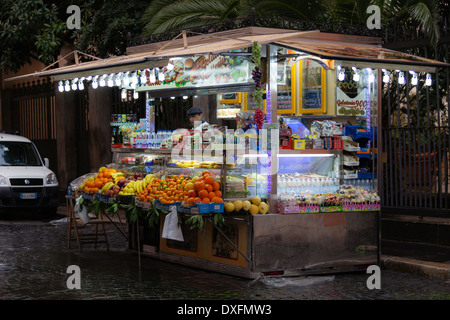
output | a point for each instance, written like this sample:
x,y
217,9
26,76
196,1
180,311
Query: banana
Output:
x,y
106,187
137,187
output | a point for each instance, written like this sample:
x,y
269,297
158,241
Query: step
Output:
x,y
413,229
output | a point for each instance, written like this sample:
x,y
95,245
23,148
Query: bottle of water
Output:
x,y
158,139
138,140
151,140
147,139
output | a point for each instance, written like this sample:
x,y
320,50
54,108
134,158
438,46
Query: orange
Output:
x,y
217,200
199,185
206,172
218,193
206,200
211,195
203,194
209,180
197,200
216,186
208,187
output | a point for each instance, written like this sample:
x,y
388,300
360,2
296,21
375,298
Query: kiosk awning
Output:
x,y
158,58
358,55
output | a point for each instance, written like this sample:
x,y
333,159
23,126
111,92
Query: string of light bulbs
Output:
x,y
128,79
357,73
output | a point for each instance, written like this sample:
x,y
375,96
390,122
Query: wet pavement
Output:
x,y
34,262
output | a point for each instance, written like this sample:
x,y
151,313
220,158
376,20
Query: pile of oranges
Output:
x,y
96,183
178,188
167,190
206,189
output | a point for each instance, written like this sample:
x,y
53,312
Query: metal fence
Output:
x,y
416,134
34,109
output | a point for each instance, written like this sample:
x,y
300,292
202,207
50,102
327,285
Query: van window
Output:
x,y
14,153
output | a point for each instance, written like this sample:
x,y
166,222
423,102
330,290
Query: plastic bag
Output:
x,y
171,229
81,211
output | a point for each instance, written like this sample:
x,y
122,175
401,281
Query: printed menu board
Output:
x,y
200,71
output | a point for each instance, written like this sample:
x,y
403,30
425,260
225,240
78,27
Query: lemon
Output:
x,y
101,169
246,205
229,207
256,200
254,209
263,208
238,205
189,186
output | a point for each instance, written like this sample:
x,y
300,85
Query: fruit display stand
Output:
x,y
239,236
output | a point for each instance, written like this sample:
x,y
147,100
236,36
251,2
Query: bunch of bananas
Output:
x,y
117,176
106,187
140,185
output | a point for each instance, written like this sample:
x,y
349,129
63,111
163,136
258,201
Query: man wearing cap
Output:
x,y
195,115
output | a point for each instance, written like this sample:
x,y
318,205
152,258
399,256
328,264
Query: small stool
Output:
x,y
84,237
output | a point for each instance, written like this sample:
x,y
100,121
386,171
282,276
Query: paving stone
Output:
x,y
34,260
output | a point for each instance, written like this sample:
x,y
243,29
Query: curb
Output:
x,y
419,267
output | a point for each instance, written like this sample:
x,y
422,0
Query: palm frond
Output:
x,y
184,14
427,14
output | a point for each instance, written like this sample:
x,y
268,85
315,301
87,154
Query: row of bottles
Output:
x,y
296,185
368,184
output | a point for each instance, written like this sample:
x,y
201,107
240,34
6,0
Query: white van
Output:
x,y
26,182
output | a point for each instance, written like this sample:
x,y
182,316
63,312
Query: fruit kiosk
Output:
x,y
291,190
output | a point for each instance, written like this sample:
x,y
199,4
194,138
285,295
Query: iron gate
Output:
x,y
416,134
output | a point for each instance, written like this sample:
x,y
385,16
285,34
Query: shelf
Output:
x,y
308,151
118,124
142,150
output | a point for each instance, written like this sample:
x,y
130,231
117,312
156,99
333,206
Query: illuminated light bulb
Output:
x,y
161,76
143,77
102,81
134,80
67,86
124,94
371,77
152,76
172,98
95,82
74,85
414,79
341,75
185,97
111,80
136,95
385,76
60,86
401,78
355,74
428,80
126,79
118,79
80,84
170,66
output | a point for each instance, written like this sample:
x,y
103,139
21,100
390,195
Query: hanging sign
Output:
x,y
198,71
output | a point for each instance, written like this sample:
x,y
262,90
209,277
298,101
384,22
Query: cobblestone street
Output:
x,y
34,259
